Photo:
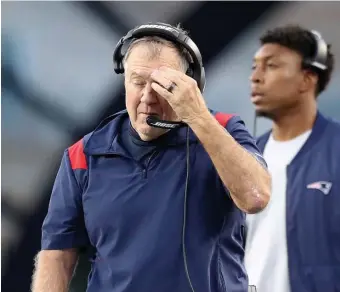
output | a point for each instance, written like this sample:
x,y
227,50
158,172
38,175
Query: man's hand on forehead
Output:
x,y
181,92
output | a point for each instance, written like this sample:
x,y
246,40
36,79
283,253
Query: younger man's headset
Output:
x,y
319,59
318,62
170,33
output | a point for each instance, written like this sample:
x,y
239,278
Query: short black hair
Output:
x,y
301,40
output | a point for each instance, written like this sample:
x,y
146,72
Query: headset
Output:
x,y
170,33
318,62
319,59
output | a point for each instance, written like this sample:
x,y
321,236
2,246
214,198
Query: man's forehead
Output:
x,y
149,51
145,73
270,51
141,60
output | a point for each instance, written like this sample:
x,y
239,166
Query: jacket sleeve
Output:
x,y
64,225
237,129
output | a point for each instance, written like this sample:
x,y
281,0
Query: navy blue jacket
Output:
x,y
133,214
313,210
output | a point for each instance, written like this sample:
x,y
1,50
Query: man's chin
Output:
x,y
261,113
149,133
264,114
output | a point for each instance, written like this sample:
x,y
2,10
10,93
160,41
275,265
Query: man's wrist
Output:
x,y
200,119
203,122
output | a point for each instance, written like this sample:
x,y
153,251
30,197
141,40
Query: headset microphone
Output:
x,y
157,123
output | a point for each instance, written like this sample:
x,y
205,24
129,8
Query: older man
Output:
x,y
160,190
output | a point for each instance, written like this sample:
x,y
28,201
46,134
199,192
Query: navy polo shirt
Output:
x,y
130,209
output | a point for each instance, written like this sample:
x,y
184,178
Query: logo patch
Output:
x,y
323,186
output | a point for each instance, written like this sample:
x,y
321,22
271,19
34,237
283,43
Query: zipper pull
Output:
x,y
144,173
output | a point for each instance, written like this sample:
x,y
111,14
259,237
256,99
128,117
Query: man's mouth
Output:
x,y
256,96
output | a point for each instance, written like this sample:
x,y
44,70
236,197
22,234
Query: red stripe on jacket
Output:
x,y
77,156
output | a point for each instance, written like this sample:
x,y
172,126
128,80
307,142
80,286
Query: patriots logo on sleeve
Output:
x,y
323,186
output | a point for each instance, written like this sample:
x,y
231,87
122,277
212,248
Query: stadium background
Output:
x,y
58,83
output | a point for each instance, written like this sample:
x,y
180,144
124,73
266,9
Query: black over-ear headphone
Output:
x,y
170,33
319,59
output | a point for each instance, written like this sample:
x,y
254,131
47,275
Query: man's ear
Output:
x,y
309,81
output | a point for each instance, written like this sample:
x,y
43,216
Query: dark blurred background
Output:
x,y
58,83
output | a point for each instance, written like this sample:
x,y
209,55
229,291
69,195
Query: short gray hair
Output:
x,y
156,43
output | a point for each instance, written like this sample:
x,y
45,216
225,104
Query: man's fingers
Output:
x,y
174,75
166,77
161,79
178,77
161,90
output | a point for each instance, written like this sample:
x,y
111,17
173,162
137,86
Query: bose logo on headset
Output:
x,y
158,27
159,124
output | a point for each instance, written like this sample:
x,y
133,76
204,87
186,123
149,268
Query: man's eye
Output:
x,y
271,65
138,82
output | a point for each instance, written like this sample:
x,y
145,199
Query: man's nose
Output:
x,y
149,95
256,76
